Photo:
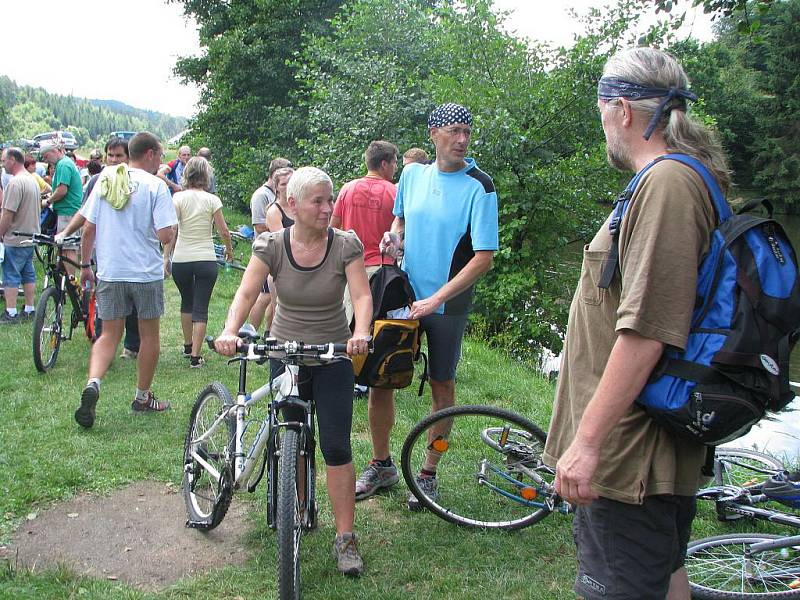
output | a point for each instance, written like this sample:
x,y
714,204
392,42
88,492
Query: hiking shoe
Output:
x,y
151,405
345,551
427,485
196,365
7,319
129,354
374,478
84,416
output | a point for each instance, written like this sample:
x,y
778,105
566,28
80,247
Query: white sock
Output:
x,y
12,312
141,395
29,309
94,381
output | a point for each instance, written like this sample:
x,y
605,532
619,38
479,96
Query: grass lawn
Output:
x,y
45,457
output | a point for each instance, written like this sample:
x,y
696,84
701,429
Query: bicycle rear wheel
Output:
x,y
489,473
742,467
289,525
719,569
207,459
47,325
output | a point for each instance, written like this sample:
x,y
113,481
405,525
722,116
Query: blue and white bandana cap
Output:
x,y
449,114
614,87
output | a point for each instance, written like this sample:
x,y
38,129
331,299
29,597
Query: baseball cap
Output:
x,y
48,145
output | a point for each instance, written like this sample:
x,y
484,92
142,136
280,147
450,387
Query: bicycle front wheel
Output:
x,y
720,569
288,517
488,464
208,457
47,325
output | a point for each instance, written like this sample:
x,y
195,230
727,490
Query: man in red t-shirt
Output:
x,y
365,206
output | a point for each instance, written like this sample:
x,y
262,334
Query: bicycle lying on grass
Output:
x,y
59,285
218,461
489,468
237,260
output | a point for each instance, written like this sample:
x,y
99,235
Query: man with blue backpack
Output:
x,y
658,359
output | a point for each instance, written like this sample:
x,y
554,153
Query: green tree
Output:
x,y
247,113
386,64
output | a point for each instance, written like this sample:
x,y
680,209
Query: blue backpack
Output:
x,y
745,323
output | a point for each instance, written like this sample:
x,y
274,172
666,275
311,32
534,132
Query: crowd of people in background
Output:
x,y
308,279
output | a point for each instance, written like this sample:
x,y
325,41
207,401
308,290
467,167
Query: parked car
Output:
x,y
64,137
125,135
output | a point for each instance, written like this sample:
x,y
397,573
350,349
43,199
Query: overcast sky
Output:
x,y
84,47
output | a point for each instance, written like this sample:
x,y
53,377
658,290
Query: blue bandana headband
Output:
x,y
614,87
449,114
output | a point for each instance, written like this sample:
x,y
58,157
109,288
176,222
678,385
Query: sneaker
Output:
x,y
345,552
374,478
429,486
27,315
7,319
784,487
85,414
360,391
152,404
197,365
129,354
187,351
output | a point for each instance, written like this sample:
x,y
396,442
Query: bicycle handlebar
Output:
x,y
41,238
257,351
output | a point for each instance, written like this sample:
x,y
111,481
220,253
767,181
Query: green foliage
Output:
x,y
31,111
246,83
745,15
386,64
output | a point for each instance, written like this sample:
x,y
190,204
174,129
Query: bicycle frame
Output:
x,y
286,393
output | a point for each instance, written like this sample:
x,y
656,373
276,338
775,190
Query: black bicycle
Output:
x,y
218,459
59,286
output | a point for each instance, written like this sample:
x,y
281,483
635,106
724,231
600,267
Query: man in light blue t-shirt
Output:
x,y
129,214
446,222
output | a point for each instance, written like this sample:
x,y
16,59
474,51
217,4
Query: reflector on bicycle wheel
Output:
x,y
528,493
504,436
439,445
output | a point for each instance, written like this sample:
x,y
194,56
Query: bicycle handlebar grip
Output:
x,y
340,348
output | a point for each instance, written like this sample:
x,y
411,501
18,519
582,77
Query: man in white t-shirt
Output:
x,y
125,223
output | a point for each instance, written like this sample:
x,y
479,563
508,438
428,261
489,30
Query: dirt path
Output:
x,y
135,535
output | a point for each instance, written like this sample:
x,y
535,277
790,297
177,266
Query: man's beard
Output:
x,y
617,155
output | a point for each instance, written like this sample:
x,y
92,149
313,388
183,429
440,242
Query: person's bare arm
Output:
x,y
6,218
479,264
632,359
75,223
87,247
162,174
224,233
361,298
166,235
59,193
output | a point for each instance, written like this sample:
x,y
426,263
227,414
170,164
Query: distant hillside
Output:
x,y
26,111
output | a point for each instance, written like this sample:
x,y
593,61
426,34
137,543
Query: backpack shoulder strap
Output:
x,y
611,263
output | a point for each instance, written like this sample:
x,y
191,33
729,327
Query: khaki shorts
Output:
x,y
61,224
348,302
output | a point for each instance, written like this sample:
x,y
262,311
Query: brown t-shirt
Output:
x,y
663,237
309,307
21,197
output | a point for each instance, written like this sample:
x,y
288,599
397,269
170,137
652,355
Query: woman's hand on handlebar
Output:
x,y
227,344
358,344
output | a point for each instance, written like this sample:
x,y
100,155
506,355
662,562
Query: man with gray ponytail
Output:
x,y
632,483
